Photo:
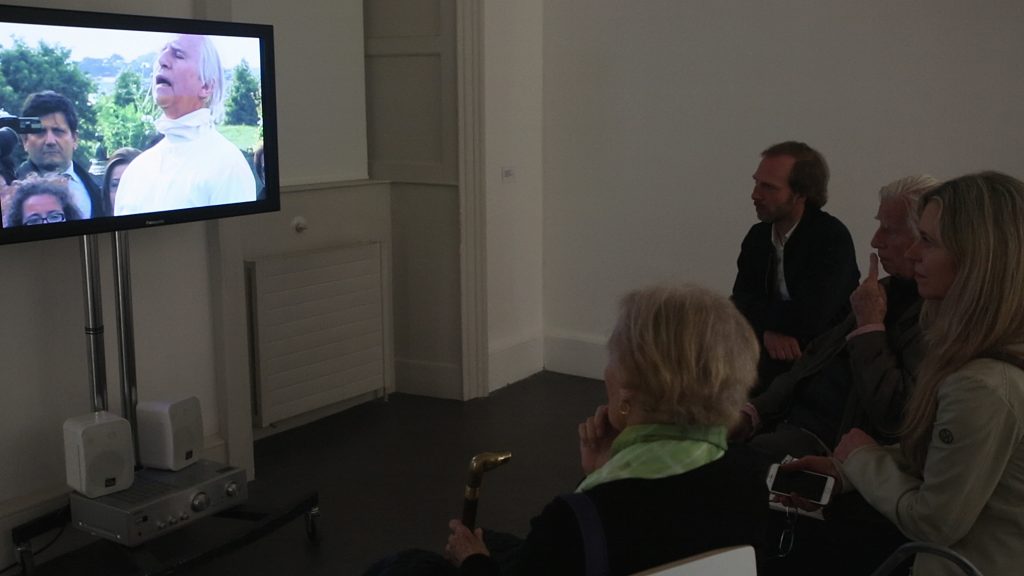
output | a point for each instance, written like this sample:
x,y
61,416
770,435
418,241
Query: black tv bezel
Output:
x,y
271,202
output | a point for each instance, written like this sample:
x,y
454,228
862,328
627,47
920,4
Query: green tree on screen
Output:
x,y
7,96
243,99
125,116
25,70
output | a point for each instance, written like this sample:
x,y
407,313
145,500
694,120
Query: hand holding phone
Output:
x,y
811,486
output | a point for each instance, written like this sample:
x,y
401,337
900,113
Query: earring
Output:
x,y
624,408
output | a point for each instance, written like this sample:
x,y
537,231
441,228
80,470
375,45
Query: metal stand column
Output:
x,y
126,333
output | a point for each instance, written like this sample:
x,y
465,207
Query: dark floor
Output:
x,y
391,474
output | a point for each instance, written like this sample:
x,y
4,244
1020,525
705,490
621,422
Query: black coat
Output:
x,y
882,368
821,272
100,201
650,522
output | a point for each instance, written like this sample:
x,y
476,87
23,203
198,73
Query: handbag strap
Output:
x,y
595,548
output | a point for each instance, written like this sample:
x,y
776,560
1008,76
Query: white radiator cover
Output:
x,y
317,329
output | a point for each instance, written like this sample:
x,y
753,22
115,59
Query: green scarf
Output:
x,y
651,451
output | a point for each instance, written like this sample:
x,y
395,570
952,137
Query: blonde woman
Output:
x,y
957,478
681,361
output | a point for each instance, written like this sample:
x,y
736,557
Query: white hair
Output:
x,y
212,75
909,189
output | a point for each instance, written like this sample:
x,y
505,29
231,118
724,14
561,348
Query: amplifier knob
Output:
x,y
231,489
200,502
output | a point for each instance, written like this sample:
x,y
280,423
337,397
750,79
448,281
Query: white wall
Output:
x,y
513,66
170,8
412,122
655,112
428,330
320,86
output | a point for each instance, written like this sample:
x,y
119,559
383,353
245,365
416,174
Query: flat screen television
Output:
x,y
170,120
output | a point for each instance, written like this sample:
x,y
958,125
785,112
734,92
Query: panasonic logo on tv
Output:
x,y
154,222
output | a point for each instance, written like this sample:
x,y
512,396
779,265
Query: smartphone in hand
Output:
x,y
810,486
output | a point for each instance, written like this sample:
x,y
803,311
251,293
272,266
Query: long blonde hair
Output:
x,y
687,353
981,224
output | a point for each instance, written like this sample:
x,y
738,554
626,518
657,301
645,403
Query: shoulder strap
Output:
x,y
595,549
1004,356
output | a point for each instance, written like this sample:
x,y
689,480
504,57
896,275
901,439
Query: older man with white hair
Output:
x,y
194,165
860,373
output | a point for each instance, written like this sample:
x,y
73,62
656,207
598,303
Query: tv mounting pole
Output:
x,y
125,331
94,323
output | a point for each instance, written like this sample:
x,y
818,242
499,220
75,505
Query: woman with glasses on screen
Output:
x,y
40,201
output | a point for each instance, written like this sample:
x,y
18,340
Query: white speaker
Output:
x,y
170,433
98,454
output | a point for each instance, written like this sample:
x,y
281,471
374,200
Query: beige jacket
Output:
x,y
971,497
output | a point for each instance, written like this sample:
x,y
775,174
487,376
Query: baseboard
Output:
x,y
434,379
578,355
512,363
313,415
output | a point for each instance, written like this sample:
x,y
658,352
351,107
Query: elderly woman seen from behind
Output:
x,y
681,361
957,479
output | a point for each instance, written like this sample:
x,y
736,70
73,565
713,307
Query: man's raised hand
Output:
x,y
868,300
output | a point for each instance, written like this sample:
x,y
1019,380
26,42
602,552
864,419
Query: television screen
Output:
x,y
112,122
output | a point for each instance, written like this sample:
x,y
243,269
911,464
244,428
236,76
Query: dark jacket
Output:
x,y
821,272
649,522
100,201
882,369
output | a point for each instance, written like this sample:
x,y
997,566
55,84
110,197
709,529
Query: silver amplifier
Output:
x,y
160,501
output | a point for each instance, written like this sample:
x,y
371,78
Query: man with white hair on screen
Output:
x,y
194,165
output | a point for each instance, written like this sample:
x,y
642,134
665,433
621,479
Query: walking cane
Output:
x,y
480,463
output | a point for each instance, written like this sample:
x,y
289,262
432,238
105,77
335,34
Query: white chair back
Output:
x,y
734,561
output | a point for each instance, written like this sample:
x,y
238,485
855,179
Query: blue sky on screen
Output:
x,y
102,43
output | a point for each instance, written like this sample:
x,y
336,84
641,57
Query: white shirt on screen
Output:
x,y
79,195
194,165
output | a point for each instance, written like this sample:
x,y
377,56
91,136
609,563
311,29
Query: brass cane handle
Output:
x,y
479,464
